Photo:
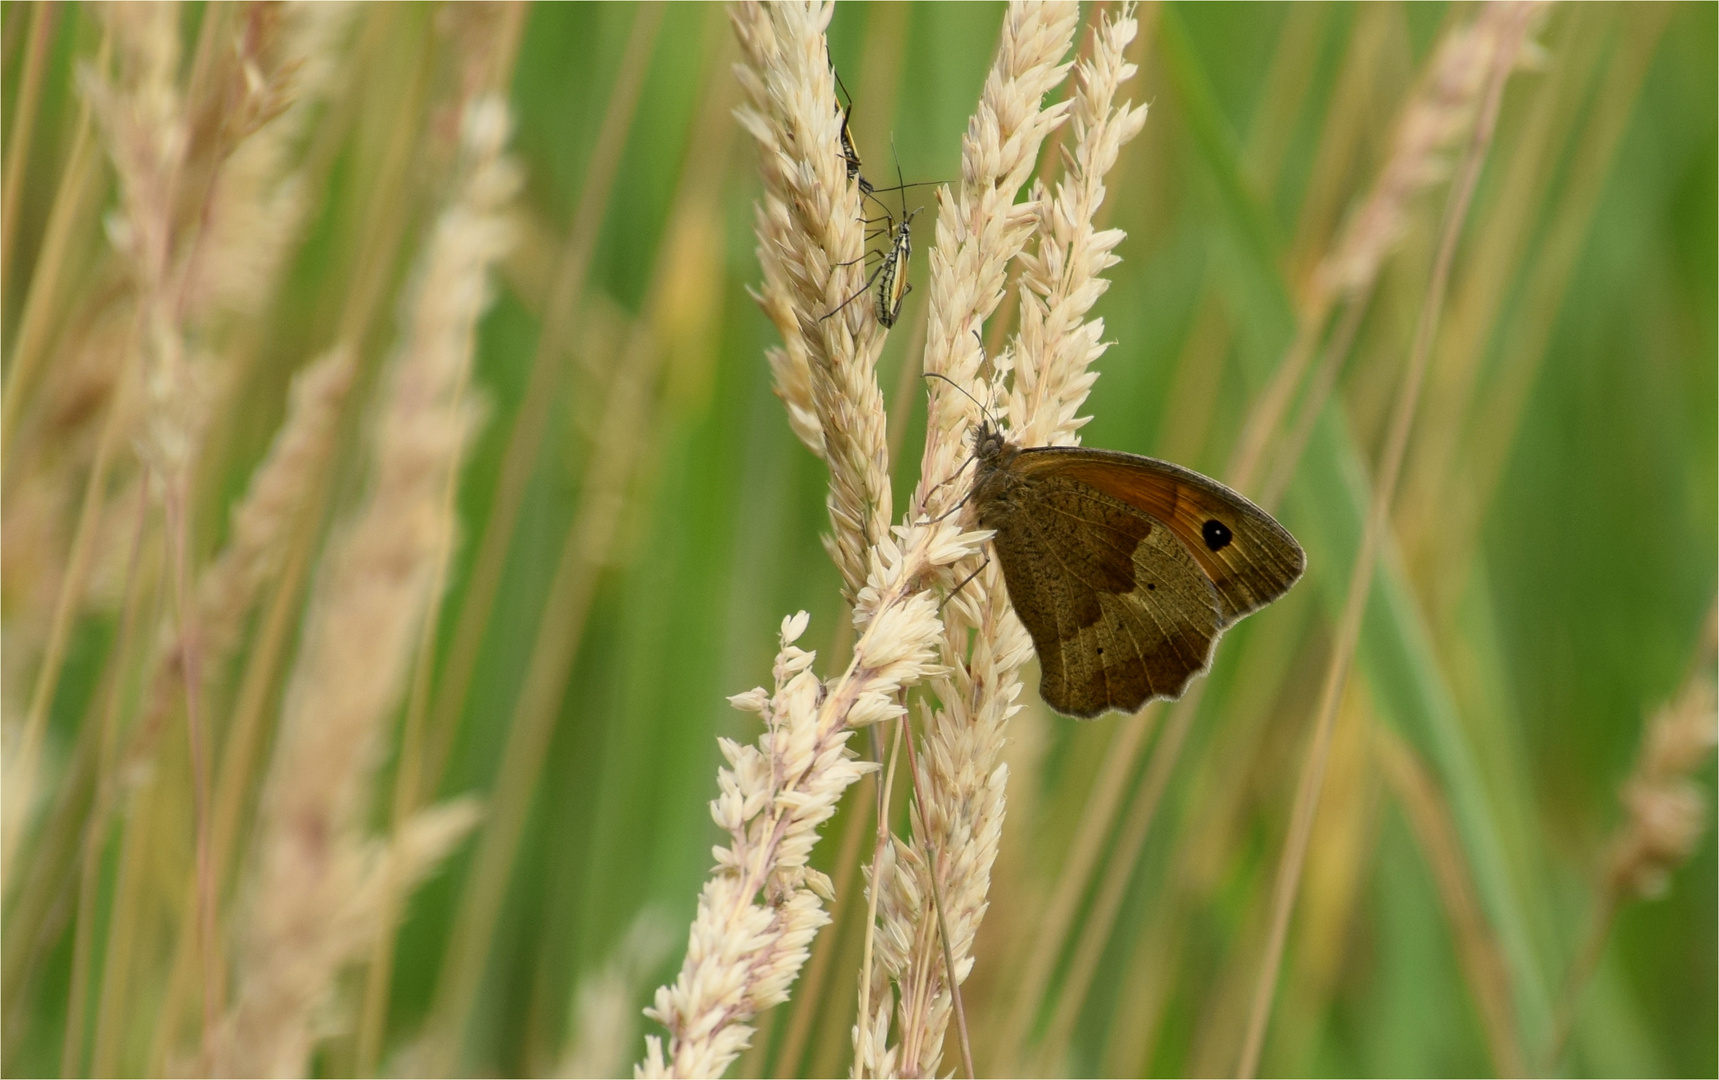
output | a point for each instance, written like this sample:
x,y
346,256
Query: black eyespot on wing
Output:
x,y
1216,534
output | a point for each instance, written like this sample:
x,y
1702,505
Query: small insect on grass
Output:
x,y
890,277
850,153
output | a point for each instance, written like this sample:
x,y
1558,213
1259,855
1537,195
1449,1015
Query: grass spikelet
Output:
x,y
1665,814
959,821
1064,277
811,245
274,496
317,878
1664,817
285,66
1431,125
742,954
982,228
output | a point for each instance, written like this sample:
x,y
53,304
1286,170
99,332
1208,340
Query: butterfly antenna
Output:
x,y
963,584
990,415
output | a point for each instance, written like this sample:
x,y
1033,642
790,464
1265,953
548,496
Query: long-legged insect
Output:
x,y
850,151
891,274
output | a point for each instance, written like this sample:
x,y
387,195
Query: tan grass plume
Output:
x,y
958,823
314,888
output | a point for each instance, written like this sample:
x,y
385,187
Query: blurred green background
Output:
x,y
1553,567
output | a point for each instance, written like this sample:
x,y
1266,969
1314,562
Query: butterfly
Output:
x,y
1124,569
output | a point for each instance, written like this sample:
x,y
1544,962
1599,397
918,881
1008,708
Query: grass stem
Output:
x,y
1349,625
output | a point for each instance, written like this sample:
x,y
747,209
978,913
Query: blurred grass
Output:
x,y
1555,555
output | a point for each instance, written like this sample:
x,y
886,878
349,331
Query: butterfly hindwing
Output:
x,y
1118,609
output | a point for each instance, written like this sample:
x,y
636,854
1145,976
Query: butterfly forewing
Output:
x,y
1117,608
1125,570
1250,558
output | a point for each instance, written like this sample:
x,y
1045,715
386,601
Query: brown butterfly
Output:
x,y
1124,569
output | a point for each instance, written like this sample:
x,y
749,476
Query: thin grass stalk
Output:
x,y
909,379
1320,387
810,1002
37,918
1477,948
69,211
23,124
629,414
941,908
525,440
1121,760
96,828
867,971
1125,856
23,764
273,521
125,925
560,630
238,763
178,528
1511,35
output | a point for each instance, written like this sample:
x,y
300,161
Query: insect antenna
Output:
x,y
990,417
963,584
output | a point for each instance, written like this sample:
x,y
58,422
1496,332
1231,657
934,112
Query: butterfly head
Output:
x,y
988,441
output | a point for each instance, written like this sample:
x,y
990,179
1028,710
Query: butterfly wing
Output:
x,y
1250,559
1118,609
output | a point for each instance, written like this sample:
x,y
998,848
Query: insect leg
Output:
x,y
863,290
